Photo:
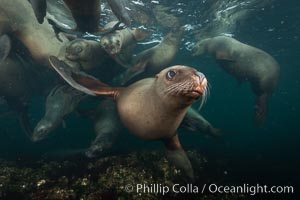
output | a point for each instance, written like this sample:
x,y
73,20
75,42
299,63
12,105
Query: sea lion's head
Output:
x,y
78,50
43,128
111,43
200,47
184,83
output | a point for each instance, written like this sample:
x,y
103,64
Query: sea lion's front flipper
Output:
x,y
5,47
81,81
177,156
261,109
40,9
194,121
25,123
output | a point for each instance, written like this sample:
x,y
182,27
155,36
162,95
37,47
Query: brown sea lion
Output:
x,y
152,60
87,53
116,41
40,39
245,63
151,108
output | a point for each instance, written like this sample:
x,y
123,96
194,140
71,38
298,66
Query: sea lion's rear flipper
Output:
x,y
177,156
5,47
40,9
261,109
81,81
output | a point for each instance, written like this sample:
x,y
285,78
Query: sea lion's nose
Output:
x,y
201,82
201,77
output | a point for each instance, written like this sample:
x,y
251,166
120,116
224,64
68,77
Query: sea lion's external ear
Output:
x,y
5,47
80,80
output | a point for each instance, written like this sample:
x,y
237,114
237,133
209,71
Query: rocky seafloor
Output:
x,y
102,178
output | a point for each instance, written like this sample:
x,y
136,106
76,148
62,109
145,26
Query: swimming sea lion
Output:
x,y
61,101
16,87
115,41
151,108
87,53
246,63
40,39
153,60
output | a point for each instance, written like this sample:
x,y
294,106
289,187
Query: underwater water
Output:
x,y
243,154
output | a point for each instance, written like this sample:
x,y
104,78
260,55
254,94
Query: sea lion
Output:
x,y
163,102
245,63
40,39
16,87
116,41
61,101
87,53
153,60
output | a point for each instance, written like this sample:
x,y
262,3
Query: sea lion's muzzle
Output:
x,y
200,84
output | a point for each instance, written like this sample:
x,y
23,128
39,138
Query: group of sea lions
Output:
x,y
152,108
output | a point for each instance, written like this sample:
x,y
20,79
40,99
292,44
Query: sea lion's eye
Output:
x,y
171,74
78,49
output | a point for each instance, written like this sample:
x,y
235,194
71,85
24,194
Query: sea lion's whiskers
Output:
x,y
204,96
175,89
172,90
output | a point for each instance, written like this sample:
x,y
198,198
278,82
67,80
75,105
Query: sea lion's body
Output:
x,y
39,39
87,53
118,40
86,14
164,125
151,108
14,80
153,60
245,63
17,87
61,101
